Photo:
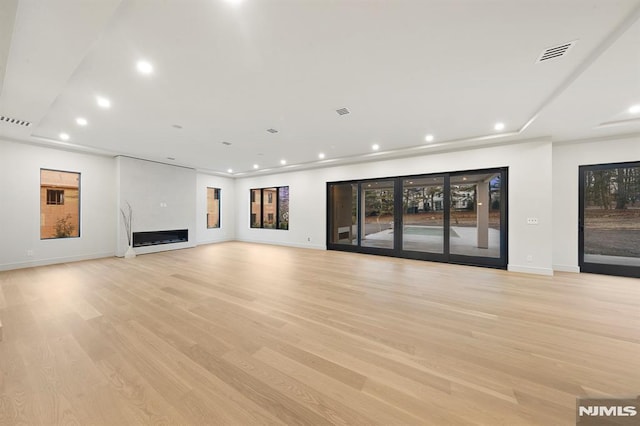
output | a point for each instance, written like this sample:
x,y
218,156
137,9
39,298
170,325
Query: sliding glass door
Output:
x,y
474,225
609,223
343,214
423,214
457,217
377,216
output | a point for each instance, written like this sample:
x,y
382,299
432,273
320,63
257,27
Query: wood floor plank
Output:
x,y
238,333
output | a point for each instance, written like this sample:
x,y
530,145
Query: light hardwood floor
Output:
x,y
239,333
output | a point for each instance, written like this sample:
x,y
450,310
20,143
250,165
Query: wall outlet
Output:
x,y
30,253
529,258
532,221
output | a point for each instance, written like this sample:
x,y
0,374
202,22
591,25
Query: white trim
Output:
x,y
214,241
530,270
274,243
54,261
566,268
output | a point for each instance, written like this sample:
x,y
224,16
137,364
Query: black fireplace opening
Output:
x,y
154,238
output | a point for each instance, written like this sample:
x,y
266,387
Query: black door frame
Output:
x,y
599,268
397,250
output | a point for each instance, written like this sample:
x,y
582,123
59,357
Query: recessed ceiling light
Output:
x,y
634,109
176,126
283,162
375,147
229,170
144,67
428,138
499,126
81,121
255,166
64,136
103,102
321,155
272,131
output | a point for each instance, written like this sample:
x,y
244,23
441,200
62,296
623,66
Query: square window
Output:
x,y
270,207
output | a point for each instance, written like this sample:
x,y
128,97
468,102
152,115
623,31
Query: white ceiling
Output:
x,y
227,72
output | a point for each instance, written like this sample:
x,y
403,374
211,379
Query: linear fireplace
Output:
x,y
153,238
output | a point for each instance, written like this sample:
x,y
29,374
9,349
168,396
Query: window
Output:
x,y
273,213
213,208
268,208
609,219
283,207
457,217
55,196
256,208
59,204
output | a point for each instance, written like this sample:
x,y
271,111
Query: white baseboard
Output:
x,y
566,268
530,270
215,241
53,261
274,243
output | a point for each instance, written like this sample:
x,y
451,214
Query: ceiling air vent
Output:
x,y
272,131
555,51
343,111
15,121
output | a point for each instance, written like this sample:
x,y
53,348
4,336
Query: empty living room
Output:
x,y
356,212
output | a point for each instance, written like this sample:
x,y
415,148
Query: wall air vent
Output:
x,y
555,51
343,111
272,131
15,121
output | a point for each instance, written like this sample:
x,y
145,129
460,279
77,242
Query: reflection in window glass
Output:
x,y
475,215
213,207
256,208
59,204
344,213
423,214
283,207
378,215
268,208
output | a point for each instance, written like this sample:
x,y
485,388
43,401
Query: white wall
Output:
x,y
566,159
163,197
536,170
226,231
530,184
20,166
